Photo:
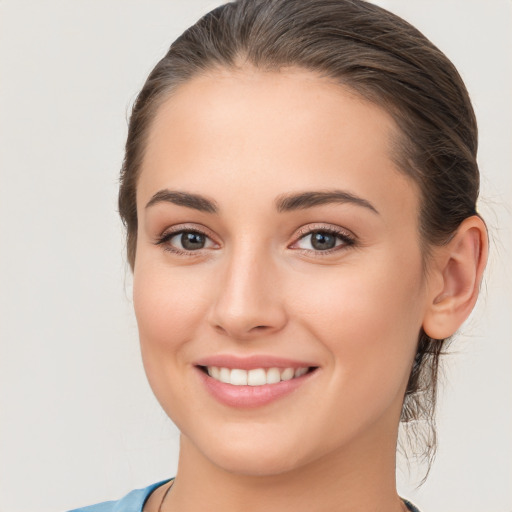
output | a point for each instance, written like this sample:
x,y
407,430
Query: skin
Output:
x,y
243,139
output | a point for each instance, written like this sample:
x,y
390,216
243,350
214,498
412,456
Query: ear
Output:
x,y
455,279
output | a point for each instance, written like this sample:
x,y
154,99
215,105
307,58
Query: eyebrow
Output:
x,y
195,201
301,201
284,202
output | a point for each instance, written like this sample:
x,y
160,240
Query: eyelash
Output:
x,y
346,238
168,235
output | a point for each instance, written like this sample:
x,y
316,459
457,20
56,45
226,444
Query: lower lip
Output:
x,y
250,396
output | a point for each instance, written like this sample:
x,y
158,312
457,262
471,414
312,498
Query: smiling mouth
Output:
x,y
256,376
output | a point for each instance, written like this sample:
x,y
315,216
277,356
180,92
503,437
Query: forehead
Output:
x,y
265,132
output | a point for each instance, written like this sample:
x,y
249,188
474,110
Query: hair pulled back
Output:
x,y
382,58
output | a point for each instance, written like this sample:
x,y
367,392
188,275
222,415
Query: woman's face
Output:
x,y
275,237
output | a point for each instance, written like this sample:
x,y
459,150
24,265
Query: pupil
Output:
x,y
191,241
322,241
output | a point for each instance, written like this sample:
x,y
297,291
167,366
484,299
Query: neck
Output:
x,y
358,478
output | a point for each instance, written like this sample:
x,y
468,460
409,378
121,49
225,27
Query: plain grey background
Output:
x,y
78,421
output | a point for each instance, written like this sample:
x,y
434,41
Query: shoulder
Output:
x,y
132,502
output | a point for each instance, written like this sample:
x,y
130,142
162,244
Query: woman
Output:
x,y
299,191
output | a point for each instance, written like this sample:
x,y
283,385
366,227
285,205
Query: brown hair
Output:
x,y
381,57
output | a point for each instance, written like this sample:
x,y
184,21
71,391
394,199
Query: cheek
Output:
x,y
169,305
370,332
367,318
166,302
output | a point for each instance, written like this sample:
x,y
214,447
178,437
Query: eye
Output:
x,y
185,241
323,240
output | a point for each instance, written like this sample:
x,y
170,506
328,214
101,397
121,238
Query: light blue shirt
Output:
x,y
135,500
132,502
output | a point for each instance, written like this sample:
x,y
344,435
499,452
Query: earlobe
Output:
x,y
459,267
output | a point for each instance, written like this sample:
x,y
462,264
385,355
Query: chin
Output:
x,y
251,454
254,462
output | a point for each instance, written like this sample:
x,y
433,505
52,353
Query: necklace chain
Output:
x,y
165,495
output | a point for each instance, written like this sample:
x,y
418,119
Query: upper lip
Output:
x,y
251,362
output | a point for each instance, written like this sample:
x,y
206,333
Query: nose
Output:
x,y
249,302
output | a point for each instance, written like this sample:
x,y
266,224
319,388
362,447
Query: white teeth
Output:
x,y
299,372
255,377
273,376
225,375
287,374
238,377
214,372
